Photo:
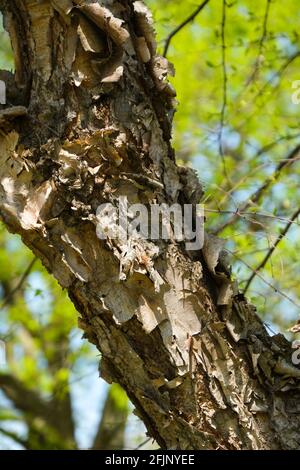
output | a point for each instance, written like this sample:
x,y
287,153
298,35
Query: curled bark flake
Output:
x,y
90,37
110,69
161,68
295,328
216,257
73,171
74,258
31,216
14,112
145,24
211,251
64,8
143,50
105,20
41,15
113,72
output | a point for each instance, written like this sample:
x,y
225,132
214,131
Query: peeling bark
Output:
x,y
91,121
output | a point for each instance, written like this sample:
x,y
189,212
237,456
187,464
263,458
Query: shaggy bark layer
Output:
x,y
88,120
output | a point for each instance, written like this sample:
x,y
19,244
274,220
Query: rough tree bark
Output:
x,y
88,120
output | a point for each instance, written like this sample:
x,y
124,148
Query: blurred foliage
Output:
x,y
260,129
235,124
45,358
6,56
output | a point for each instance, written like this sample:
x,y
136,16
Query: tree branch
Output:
x,y
256,196
280,237
30,402
225,80
257,273
111,430
20,284
188,20
15,437
261,45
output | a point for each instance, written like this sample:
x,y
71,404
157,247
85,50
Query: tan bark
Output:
x,y
190,352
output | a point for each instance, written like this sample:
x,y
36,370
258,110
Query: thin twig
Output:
x,y
143,443
267,325
19,285
225,79
285,296
266,148
260,92
256,214
277,74
188,20
282,234
256,196
258,153
261,45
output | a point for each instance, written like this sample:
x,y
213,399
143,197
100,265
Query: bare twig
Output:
x,y
188,20
282,234
269,82
15,437
244,215
261,45
19,285
261,91
277,74
258,153
256,196
143,443
268,147
225,79
275,289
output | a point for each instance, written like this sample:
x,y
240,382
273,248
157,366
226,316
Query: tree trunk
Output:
x,y
88,120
